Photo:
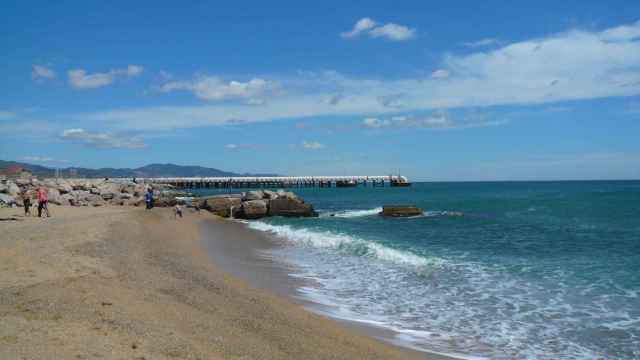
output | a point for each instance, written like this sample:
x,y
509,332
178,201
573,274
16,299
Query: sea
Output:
x,y
532,270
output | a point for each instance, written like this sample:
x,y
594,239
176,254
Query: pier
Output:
x,y
279,181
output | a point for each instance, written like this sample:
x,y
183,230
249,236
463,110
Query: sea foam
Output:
x,y
343,242
353,213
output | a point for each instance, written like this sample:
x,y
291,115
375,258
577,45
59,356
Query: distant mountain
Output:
x,y
151,170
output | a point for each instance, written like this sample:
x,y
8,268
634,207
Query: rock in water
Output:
x,y
252,209
253,195
286,206
400,211
220,206
268,194
287,195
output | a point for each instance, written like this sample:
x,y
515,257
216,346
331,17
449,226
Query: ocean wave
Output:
x,y
353,213
344,242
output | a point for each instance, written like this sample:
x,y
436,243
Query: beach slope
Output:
x,y
123,283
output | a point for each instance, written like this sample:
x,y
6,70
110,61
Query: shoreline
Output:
x,y
120,282
242,252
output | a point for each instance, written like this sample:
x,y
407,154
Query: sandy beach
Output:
x,y
123,283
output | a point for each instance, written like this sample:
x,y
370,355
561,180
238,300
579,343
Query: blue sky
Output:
x,y
456,91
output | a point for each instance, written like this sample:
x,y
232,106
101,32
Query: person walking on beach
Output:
x,y
177,211
26,201
43,201
148,198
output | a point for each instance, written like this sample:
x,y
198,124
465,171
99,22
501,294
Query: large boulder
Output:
x,y
125,196
400,211
139,190
135,201
13,189
129,188
252,209
54,196
285,206
49,183
23,182
109,190
120,202
287,195
268,194
94,199
164,199
67,199
4,188
221,206
253,195
63,186
83,185
82,195
7,200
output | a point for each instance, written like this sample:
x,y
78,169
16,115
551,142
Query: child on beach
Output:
x,y
148,198
43,201
177,211
26,201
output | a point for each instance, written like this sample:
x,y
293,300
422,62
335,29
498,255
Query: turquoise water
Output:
x,y
534,270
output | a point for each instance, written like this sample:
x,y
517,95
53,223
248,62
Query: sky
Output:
x,y
447,91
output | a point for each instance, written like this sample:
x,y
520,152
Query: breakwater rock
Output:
x,y
257,204
87,192
400,211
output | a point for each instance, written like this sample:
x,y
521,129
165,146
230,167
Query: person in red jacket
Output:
x,y
43,201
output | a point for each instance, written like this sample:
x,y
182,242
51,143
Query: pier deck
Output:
x,y
279,181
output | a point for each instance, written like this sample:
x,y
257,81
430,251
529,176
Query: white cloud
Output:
x,y
212,88
103,140
482,43
40,72
312,145
243,146
440,74
361,25
586,65
390,31
393,32
42,159
80,79
438,120
134,70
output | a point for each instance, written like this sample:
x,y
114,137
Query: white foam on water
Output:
x,y
353,213
327,239
447,306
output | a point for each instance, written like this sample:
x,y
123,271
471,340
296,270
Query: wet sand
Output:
x,y
124,283
244,253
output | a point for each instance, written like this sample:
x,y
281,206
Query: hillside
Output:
x,y
151,170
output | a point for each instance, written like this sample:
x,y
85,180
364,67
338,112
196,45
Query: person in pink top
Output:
x,y
43,201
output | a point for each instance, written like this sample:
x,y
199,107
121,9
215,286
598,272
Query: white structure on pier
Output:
x,y
393,180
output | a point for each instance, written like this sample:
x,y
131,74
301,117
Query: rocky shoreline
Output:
x,y
99,192
87,192
257,204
